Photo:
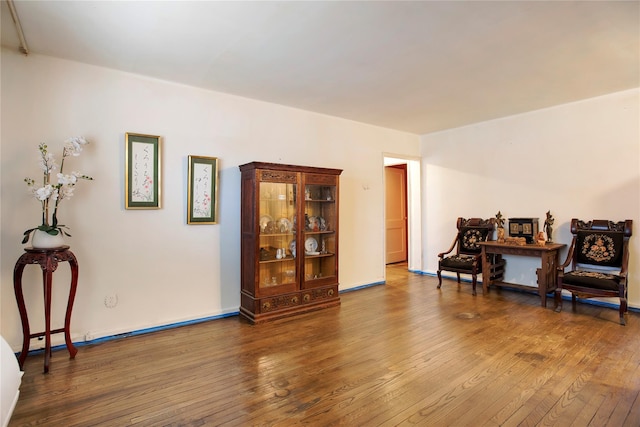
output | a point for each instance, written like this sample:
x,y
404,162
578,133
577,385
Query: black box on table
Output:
x,y
523,227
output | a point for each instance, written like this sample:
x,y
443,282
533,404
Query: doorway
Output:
x,y
395,186
405,195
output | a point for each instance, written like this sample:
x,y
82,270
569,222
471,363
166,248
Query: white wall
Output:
x,y
579,160
162,270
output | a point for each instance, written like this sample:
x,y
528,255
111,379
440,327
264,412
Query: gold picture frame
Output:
x,y
202,190
143,154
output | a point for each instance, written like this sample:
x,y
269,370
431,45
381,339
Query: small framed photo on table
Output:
x,y
202,191
142,171
514,228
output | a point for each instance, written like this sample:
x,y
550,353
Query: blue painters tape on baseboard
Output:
x,y
158,328
423,273
363,286
137,332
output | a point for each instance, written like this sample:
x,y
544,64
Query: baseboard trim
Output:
x,y
137,332
368,285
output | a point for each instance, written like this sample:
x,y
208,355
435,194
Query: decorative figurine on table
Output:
x,y
500,223
548,223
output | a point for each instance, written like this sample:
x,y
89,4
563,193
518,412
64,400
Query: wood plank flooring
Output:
x,y
398,354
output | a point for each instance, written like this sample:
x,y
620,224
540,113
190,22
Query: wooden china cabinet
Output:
x,y
289,245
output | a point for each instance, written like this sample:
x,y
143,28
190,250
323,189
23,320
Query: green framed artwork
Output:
x,y
142,171
202,191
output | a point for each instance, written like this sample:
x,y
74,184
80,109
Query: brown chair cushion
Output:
x,y
458,262
592,279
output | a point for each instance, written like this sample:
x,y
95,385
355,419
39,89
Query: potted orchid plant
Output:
x,y
50,195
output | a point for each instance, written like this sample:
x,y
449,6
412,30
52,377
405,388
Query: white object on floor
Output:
x,y
10,379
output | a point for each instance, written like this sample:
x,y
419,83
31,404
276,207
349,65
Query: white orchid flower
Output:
x,y
65,192
67,179
43,193
73,146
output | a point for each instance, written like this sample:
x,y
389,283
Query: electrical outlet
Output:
x,y
110,301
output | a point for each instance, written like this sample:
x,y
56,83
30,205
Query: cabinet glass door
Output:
x,y
277,222
320,216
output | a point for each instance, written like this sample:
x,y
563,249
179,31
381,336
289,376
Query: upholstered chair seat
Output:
x,y
592,279
458,261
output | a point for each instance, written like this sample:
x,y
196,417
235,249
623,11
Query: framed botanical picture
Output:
x,y
202,191
142,171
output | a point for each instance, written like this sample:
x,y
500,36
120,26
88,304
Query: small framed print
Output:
x,y
526,228
142,171
202,191
514,228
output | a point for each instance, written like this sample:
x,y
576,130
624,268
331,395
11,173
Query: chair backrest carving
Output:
x,y
471,232
601,243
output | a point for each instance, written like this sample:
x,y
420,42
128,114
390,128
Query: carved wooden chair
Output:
x,y
467,258
599,255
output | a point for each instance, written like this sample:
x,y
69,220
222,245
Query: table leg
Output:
x,y
47,277
73,263
26,333
553,259
545,282
486,271
542,287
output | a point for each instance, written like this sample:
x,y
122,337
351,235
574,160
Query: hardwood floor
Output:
x,y
400,354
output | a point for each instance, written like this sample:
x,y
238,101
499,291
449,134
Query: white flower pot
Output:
x,y
43,240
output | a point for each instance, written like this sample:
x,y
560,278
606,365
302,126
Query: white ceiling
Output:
x,y
413,66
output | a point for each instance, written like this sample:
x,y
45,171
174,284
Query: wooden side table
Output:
x,y
547,273
48,260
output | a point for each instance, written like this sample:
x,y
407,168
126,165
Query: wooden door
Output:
x,y
396,213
